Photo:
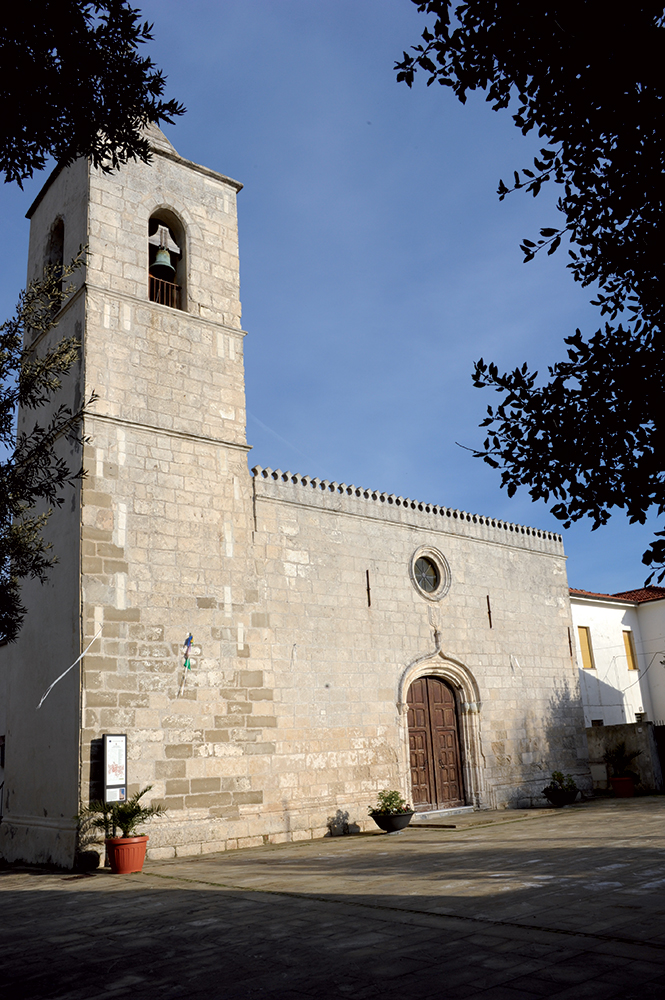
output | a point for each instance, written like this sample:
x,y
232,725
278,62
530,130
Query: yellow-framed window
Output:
x,y
629,643
584,634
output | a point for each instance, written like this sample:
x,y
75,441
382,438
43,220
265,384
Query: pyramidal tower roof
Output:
x,y
159,144
158,140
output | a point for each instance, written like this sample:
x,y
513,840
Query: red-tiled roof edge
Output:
x,y
591,593
639,596
643,594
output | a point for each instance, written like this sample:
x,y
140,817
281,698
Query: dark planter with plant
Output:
x,y
623,777
391,812
562,790
126,853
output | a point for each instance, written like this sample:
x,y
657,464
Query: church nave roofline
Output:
x,y
391,500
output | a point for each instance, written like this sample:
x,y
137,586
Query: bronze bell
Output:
x,y
162,267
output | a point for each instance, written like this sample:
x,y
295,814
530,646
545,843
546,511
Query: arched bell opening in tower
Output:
x,y
164,256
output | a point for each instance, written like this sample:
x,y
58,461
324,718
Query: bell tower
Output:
x,y
155,542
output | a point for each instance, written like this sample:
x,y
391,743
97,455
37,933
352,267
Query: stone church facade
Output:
x,y
344,640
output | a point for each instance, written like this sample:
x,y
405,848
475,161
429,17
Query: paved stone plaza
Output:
x,y
553,903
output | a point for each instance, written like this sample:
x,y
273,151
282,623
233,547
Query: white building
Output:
x,y
620,642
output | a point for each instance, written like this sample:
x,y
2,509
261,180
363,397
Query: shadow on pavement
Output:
x,y
86,936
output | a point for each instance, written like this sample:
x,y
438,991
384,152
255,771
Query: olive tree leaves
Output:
x,y
75,84
37,463
586,78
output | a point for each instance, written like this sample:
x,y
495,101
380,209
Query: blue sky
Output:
x,y
377,263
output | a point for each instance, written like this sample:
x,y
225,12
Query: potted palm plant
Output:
x,y
391,812
623,777
562,790
126,853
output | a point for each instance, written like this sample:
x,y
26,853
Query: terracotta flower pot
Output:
x,y
623,788
391,822
126,854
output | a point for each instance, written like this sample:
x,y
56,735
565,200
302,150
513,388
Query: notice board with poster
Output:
x,y
115,767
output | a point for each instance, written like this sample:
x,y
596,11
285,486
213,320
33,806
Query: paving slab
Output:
x,y
562,903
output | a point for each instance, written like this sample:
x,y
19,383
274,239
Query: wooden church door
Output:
x,y
436,774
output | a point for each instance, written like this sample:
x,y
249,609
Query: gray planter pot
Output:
x,y
391,822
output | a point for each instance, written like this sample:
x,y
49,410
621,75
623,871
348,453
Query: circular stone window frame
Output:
x,y
441,563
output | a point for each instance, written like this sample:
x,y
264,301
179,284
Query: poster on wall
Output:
x,y
115,767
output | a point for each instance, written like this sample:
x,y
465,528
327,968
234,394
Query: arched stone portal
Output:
x,y
439,708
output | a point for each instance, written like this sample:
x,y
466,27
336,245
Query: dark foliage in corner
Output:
x,y
33,471
620,760
586,77
74,84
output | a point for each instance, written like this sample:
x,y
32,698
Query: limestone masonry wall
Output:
x,y
167,508
343,659
40,797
